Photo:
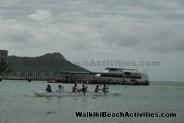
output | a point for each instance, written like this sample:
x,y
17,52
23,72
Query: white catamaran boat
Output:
x,y
64,93
109,76
122,76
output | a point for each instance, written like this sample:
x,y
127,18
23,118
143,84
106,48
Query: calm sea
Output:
x,y
18,104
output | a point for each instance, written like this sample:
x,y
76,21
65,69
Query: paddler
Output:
x,y
48,89
75,89
84,89
97,88
60,88
105,89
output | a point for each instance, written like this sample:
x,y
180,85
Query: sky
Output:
x,y
143,34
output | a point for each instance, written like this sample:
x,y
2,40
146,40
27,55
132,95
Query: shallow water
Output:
x,y
18,104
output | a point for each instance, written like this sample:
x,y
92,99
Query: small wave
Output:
x,y
50,112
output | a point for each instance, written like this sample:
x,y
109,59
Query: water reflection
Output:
x,y
48,99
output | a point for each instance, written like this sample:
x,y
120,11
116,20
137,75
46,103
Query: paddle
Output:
x,y
86,85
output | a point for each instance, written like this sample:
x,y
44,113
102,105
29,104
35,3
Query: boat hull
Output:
x,y
61,94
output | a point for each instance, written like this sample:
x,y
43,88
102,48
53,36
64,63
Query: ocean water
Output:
x,y
18,104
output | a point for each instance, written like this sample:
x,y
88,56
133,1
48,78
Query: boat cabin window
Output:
x,y
120,76
112,75
135,77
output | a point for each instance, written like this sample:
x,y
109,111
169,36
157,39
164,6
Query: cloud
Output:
x,y
87,29
42,15
156,36
13,32
143,25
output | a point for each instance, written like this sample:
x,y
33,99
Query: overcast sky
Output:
x,y
99,30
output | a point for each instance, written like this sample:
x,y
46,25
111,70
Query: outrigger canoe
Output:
x,y
64,93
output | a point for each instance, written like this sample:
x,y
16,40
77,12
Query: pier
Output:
x,y
74,77
28,76
65,77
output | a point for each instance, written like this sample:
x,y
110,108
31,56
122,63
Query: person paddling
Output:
x,y
48,89
97,88
75,89
84,89
105,89
60,88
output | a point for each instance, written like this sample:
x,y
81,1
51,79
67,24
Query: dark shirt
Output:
x,y
48,89
84,89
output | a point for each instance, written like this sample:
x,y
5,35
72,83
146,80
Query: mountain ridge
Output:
x,y
48,63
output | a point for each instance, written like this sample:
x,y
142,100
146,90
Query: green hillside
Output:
x,y
51,62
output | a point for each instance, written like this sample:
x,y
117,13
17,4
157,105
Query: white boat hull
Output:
x,y
60,94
